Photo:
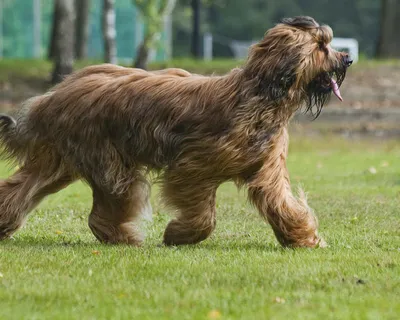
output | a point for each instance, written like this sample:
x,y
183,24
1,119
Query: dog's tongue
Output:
x,y
335,89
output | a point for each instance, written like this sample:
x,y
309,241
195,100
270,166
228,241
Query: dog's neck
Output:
x,y
257,91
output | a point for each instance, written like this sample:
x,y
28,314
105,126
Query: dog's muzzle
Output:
x,y
347,61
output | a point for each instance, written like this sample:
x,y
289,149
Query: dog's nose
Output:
x,y
347,60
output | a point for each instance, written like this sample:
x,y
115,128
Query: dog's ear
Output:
x,y
275,82
274,63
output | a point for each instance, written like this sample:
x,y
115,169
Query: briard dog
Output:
x,y
110,126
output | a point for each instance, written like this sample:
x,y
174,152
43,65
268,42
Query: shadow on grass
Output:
x,y
46,244
27,241
237,246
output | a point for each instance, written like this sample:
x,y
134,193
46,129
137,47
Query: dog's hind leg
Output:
x,y
292,220
195,202
114,217
21,192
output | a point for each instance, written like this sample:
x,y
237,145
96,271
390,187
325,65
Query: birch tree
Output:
x,y
153,13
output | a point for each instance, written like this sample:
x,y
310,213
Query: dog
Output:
x,y
110,126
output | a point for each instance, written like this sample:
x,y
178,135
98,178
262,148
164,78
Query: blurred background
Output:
x,y
41,41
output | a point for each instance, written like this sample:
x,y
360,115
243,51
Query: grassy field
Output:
x,y
22,70
16,70
55,269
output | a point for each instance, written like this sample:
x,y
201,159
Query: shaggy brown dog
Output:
x,y
110,125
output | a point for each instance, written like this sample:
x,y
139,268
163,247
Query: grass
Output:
x,y
55,269
16,70
22,70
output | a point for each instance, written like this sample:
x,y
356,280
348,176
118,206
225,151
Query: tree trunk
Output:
x,y
109,32
82,8
154,14
389,37
142,56
63,40
54,30
196,8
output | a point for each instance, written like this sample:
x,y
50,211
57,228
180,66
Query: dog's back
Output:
x,y
111,120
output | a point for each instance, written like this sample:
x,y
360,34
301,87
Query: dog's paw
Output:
x,y
321,243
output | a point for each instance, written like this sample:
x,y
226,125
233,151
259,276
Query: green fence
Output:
x,y
18,21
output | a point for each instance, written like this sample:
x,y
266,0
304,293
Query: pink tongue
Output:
x,y
336,90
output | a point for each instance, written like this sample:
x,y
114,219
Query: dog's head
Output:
x,y
295,60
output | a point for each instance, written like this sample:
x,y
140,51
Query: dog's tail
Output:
x,y
9,138
17,138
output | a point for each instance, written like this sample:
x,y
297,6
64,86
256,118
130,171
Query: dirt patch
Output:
x,y
13,92
371,106
370,87
375,123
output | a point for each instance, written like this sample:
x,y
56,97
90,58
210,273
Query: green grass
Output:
x,y
24,70
55,269
15,70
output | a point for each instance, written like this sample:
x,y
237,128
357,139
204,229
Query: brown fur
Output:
x,y
110,125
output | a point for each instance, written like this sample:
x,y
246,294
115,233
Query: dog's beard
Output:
x,y
320,88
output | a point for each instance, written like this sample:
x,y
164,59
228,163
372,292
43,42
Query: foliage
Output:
x,y
153,13
389,40
236,19
248,20
54,267
18,21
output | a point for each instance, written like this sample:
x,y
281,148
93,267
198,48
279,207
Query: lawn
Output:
x,y
17,70
55,269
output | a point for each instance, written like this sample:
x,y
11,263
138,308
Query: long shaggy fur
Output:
x,y
110,126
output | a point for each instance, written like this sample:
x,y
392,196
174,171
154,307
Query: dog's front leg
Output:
x,y
292,219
